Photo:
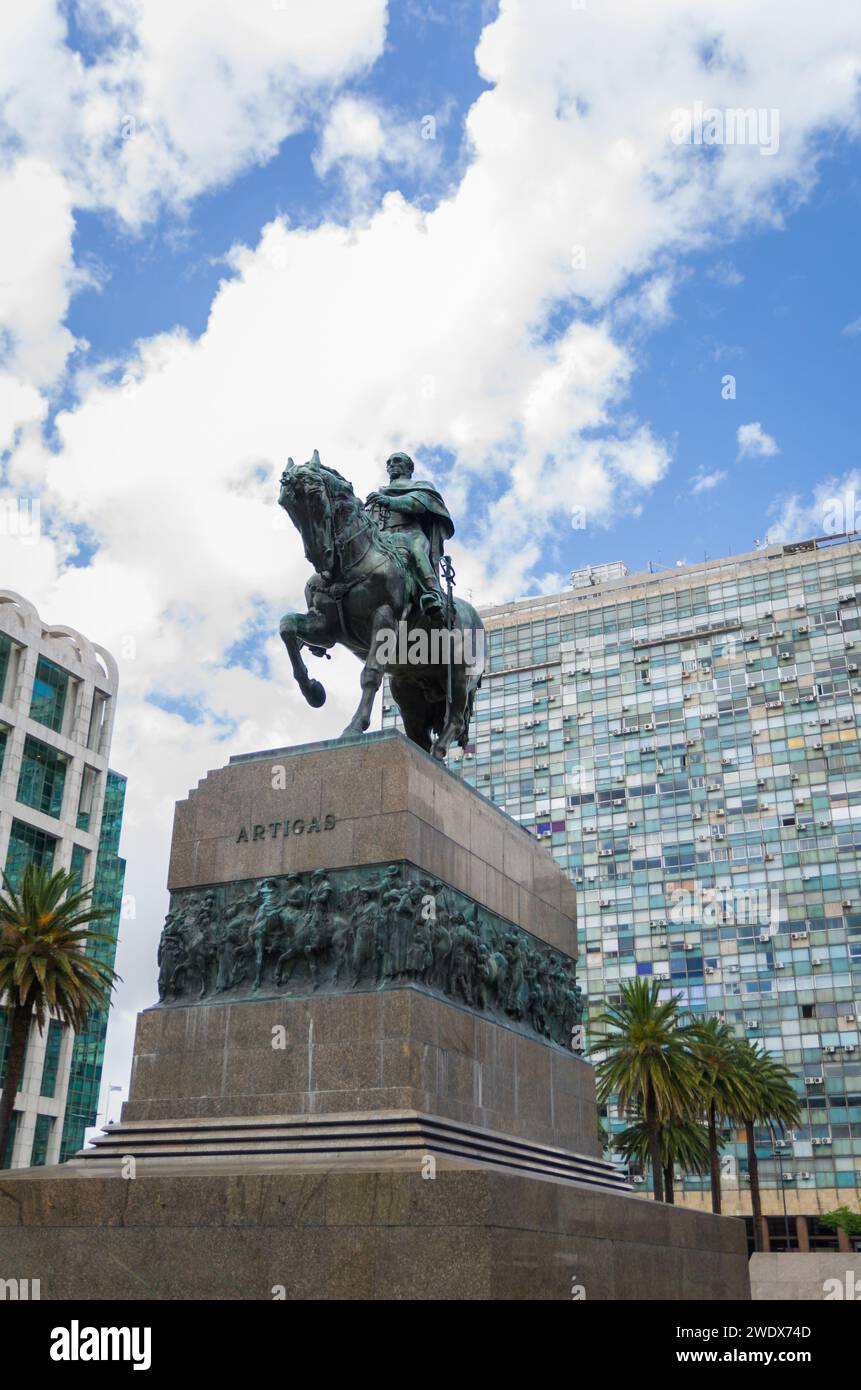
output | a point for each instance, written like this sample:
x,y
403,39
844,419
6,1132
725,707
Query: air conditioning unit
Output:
x,y
831,1051
648,728
816,960
799,935
813,1080
765,936
638,1181
710,970
751,1023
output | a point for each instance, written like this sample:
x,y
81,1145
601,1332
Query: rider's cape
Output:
x,y
434,520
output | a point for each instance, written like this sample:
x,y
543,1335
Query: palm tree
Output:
x,y
723,1086
44,967
682,1141
771,1102
647,1063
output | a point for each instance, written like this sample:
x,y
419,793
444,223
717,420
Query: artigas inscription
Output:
x,y
271,830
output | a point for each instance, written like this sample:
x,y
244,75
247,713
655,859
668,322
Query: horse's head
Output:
x,y
313,495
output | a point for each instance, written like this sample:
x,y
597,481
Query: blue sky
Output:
x,y
770,306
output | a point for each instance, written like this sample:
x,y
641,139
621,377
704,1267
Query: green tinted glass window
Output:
x,y
52,1058
28,845
41,1139
42,779
50,688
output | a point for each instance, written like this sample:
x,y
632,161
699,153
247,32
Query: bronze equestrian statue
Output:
x,y
376,589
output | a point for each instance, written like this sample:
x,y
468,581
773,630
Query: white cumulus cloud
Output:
x,y
753,442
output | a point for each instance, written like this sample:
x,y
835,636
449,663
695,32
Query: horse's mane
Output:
x,y
382,538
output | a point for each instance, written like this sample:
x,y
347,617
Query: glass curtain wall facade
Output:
x,y
686,745
88,1051
61,808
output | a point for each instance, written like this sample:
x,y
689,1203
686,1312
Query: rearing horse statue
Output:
x,y
366,594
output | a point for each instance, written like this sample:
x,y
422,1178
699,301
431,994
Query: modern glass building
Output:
x,y
686,745
61,806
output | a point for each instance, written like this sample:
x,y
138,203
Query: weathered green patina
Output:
x,y
375,927
377,568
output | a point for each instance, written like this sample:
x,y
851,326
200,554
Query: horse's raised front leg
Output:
x,y
372,672
312,630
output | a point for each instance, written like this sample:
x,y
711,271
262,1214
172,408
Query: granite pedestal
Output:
x,y
359,1080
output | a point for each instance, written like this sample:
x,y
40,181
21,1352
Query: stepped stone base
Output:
x,y
395,1050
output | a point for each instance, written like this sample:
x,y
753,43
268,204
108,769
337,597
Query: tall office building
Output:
x,y
686,744
60,806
